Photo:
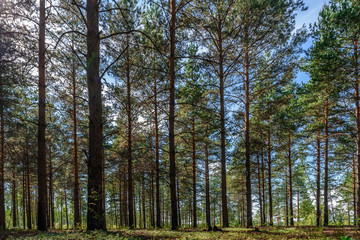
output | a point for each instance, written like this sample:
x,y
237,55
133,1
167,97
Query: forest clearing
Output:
x,y
180,119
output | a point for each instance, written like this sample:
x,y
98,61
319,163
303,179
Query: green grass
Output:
x,y
343,233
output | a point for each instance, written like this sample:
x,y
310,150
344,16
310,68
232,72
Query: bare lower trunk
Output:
x,y
96,213
194,172
42,186
326,178
290,185
207,187
172,152
318,210
271,222
2,163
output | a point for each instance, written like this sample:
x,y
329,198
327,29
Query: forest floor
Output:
x,y
342,233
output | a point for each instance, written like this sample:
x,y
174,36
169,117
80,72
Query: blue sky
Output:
x,y
308,17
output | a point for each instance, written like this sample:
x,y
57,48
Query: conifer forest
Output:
x,y
179,119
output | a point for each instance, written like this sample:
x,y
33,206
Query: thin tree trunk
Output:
x,y
357,117
354,188
271,222
61,211
247,139
66,210
77,218
152,200
23,198
326,178
51,191
290,185
172,152
13,200
194,172
222,128
2,163
298,206
42,186
318,210
28,209
259,189
178,201
120,198
207,186
157,156
263,186
143,200
96,213
286,202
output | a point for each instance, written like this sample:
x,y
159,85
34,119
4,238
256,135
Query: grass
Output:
x,y
343,233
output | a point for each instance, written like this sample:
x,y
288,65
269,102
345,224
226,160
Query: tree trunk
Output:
x,y
207,186
290,185
152,200
178,201
357,117
23,197
247,140
354,188
271,222
13,200
42,186
77,218
28,209
298,206
326,178
172,152
259,189
263,186
318,210
286,202
157,157
194,172
96,213
129,138
143,200
222,128
51,192
120,198
66,210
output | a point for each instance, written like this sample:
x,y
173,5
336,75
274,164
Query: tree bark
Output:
x,y
263,186
77,218
51,192
259,189
96,213
354,188
129,138
222,127
326,177
66,210
13,200
172,152
286,202
357,117
42,186
157,157
290,185
247,140
207,186
27,161
271,222
2,163
194,171
318,210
